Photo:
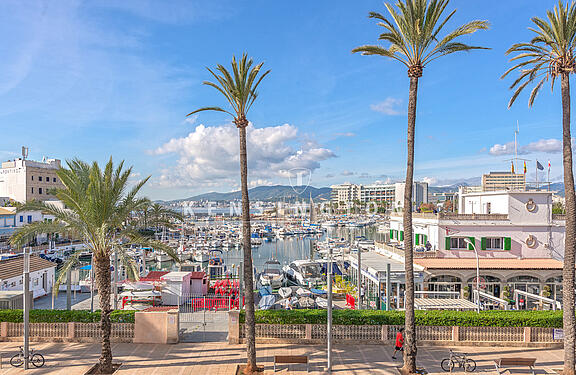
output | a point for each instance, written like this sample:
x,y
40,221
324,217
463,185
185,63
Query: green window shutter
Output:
x,y
416,239
473,240
401,235
391,233
507,243
447,243
483,243
424,239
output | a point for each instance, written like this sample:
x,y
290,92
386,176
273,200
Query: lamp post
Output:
x,y
329,328
467,240
26,300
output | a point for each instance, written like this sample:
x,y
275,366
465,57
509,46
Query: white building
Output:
x,y
42,274
519,241
24,180
392,194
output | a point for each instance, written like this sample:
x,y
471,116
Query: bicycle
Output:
x,y
36,359
460,359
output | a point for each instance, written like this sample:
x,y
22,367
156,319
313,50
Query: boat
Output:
x,y
216,267
285,292
161,257
272,274
201,256
266,302
304,272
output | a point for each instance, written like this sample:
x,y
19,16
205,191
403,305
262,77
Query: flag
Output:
x,y
549,165
512,167
524,166
539,166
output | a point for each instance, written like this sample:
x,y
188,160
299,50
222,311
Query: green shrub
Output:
x,y
551,319
65,316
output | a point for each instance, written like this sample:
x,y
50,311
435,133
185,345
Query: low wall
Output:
x,y
65,332
386,334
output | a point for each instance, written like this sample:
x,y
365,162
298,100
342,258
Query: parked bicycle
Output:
x,y
36,359
460,359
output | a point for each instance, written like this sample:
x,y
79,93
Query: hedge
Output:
x,y
550,319
65,316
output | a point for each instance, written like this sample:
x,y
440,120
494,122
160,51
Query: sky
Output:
x,y
100,79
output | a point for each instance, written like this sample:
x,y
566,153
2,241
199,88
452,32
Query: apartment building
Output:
x,y
495,181
24,180
393,194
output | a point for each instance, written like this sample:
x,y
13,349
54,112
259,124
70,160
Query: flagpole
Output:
x,y
537,175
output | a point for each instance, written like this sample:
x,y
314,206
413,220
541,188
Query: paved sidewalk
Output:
x,y
221,358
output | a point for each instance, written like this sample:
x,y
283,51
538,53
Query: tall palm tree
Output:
x,y
548,56
98,204
412,31
239,89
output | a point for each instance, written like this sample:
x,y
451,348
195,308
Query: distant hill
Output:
x,y
267,193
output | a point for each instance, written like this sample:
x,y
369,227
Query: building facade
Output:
x,y
25,180
392,194
519,241
495,181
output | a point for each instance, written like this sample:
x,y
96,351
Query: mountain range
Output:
x,y
290,194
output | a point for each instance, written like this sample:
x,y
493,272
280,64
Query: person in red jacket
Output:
x,y
398,347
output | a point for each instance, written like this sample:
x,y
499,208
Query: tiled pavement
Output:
x,y
221,358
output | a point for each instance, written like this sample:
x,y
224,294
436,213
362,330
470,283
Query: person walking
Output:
x,y
399,346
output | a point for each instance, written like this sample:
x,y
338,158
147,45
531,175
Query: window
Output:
x,y
32,190
32,177
40,178
39,190
496,243
458,243
29,219
54,179
47,179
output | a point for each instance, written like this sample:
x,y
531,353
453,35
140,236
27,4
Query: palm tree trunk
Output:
x,y
247,250
570,239
410,323
103,280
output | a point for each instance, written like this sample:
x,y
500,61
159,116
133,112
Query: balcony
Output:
x,y
417,254
558,216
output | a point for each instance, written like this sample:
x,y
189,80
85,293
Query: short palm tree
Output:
x,y
163,217
239,89
412,31
98,205
548,56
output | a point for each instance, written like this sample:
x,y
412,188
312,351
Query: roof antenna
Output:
x,y
24,152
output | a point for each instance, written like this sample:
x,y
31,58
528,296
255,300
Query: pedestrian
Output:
x,y
362,293
399,346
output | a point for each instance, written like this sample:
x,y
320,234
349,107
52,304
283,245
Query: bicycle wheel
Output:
x,y
17,360
37,360
469,365
447,364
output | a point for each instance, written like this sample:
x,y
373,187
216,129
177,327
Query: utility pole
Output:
x,y
69,288
26,300
360,278
388,286
329,328
115,285
92,284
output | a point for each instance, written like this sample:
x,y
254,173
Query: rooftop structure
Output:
x,y
24,180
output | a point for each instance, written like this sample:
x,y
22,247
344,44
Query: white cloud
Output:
x,y
429,180
549,146
347,173
390,107
208,156
346,134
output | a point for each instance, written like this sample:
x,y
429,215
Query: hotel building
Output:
x,y
393,194
495,181
24,180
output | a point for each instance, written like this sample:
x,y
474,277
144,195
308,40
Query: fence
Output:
x,y
85,332
386,334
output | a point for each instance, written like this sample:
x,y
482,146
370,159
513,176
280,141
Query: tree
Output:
x,y
98,204
548,56
239,89
412,32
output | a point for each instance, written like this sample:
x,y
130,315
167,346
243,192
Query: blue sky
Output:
x,y
109,78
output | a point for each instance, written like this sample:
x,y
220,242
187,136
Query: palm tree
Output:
x,y
550,55
412,31
98,205
239,89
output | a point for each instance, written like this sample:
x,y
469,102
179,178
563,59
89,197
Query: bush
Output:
x,y
65,316
550,319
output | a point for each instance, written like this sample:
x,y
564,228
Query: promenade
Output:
x,y
221,358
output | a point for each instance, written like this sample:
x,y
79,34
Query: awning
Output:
x,y
443,304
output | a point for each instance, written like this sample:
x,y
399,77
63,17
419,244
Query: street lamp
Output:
x,y
467,240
